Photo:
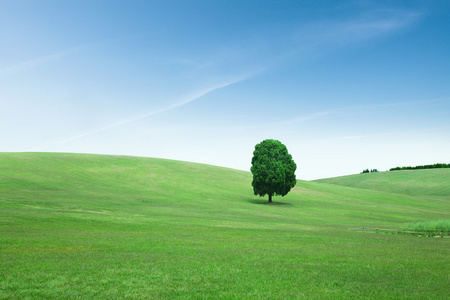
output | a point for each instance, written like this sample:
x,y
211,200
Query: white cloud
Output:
x,y
32,63
45,59
333,33
188,98
376,24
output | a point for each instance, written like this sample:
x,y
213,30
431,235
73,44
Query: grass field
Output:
x,y
92,226
429,182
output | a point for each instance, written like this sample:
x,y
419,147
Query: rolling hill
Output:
x,y
96,226
429,182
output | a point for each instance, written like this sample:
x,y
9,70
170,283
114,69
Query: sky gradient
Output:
x,y
345,86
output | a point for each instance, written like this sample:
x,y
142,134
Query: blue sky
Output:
x,y
345,85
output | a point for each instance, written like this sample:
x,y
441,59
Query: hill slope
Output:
x,y
120,185
431,182
92,226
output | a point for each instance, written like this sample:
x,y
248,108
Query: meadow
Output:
x,y
94,226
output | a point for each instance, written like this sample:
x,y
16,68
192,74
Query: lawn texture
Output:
x,y
93,226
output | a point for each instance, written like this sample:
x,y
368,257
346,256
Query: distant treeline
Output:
x,y
369,171
435,166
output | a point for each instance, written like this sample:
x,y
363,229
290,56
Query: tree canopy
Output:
x,y
273,169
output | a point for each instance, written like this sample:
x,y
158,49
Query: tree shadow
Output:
x,y
265,202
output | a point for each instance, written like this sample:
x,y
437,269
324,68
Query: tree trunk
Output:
x,y
270,198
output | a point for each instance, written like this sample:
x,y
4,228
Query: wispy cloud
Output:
x,y
326,35
385,134
389,105
375,24
320,114
49,58
33,63
188,98
299,119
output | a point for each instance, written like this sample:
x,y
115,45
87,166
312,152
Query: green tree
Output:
x,y
273,169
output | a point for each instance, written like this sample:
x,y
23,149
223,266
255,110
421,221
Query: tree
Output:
x,y
273,169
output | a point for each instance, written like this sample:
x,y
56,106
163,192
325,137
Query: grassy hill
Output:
x,y
430,182
95,226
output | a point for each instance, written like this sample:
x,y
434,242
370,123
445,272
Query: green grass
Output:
x,y
91,226
429,182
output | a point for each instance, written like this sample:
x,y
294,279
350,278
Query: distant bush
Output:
x,y
371,171
435,166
